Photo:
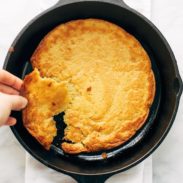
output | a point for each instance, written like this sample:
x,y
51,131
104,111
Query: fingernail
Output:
x,y
12,123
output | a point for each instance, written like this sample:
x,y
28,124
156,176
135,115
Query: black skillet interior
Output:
x,y
168,84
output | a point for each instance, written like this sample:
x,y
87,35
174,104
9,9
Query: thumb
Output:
x,y
17,102
8,103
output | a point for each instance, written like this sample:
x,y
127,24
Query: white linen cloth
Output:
x,y
142,173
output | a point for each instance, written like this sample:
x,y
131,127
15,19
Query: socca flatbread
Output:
x,y
105,74
46,98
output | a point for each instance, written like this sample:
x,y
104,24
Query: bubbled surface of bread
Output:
x,y
108,78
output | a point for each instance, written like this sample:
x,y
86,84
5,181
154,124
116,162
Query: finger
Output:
x,y
8,103
4,111
17,102
8,90
12,102
10,80
11,121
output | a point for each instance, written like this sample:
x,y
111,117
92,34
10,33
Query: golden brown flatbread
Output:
x,y
46,98
107,79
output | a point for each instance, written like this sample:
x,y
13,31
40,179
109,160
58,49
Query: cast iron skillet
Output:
x,y
92,167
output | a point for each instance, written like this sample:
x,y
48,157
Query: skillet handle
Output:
x,y
116,2
91,179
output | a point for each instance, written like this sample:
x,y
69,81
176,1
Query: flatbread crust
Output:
x,y
46,98
108,78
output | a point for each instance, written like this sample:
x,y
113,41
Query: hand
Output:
x,y
9,97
